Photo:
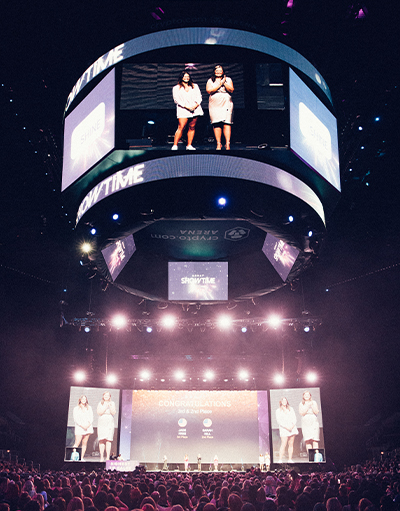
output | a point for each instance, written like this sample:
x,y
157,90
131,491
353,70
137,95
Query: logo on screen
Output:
x,y
88,131
237,233
207,423
182,423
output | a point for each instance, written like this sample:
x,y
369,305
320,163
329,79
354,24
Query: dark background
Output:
x,y
45,47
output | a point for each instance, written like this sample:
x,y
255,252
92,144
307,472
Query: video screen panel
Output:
x,y
118,254
232,425
281,255
92,423
89,131
296,425
313,131
149,86
200,281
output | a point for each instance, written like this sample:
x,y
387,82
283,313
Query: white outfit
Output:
x,y
105,425
83,418
309,423
220,104
185,99
285,420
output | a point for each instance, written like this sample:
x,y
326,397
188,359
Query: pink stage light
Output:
x,y
119,321
168,321
274,321
311,377
279,379
80,376
111,379
224,322
243,375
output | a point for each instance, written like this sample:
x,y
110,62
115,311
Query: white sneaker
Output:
x,y
190,148
174,148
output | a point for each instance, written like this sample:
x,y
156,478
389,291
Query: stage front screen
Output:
x,y
89,419
232,425
198,281
295,418
89,131
313,131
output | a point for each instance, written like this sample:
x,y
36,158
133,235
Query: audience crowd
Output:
x,y
373,486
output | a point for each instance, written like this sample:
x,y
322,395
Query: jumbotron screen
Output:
x,y
296,426
230,425
89,131
92,423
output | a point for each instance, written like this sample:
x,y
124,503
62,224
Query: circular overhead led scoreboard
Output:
x,y
201,226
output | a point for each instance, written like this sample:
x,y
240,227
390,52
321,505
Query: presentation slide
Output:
x,y
230,425
281,255
89,131
296,425
118,254
198,281
92,423
313,131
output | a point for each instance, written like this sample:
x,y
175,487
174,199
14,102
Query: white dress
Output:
x,y
185,99
105,424
83,416
286,419
220,104
309,424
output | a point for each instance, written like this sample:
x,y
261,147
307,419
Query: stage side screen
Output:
x,y
232,425
84,419
296,425
313,131
89,131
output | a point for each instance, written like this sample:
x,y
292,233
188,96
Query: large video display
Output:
x,y
313,131
92,427
230,425
200,280
296,425
89,131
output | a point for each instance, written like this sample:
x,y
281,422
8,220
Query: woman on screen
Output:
x,y
83,418
220,106
105,426
286,419
187,97
308,410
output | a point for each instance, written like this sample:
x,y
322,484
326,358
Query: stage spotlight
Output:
x,y
179,375
149,329
306,329
150,122
168,321
279,379
86,248
209,375
311,377
119,321
80,376
310,233
222,202
145,374
244,329
93,231
115,216
243,374
360,128
87,329
377,119
224,322
111,379
274,321
290,218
